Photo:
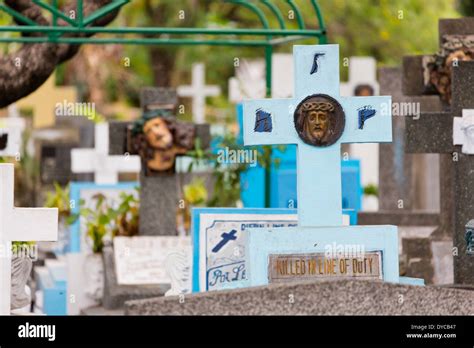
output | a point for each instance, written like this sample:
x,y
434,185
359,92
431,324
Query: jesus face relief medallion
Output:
x,y
319,120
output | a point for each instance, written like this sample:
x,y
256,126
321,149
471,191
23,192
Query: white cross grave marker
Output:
x,y
19,224
98,161
362,71
463,131
249,80
199,91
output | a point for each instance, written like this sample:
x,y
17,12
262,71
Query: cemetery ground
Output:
x,y
304,163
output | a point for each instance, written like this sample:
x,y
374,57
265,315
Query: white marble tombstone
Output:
x,y
19,224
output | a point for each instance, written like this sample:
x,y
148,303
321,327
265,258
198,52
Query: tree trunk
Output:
x,y
22,72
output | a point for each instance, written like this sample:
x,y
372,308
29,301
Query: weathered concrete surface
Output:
x,y
341,297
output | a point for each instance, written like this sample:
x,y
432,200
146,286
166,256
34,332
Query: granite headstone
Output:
x,y
433,132
436,132
159,194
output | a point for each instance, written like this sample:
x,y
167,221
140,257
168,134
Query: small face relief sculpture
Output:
x,y
161,140
319,120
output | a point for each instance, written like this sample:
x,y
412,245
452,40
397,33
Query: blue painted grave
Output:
x,y
219,237
51,281
219,242
318,120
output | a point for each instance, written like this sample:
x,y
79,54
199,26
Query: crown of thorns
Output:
x,y
318,106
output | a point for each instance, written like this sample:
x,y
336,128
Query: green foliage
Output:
x,y
195,193
18,247
59,198
111,89
371,190
227,175
386,29
103,221
466,7
383,29
98,221
126,216
199,155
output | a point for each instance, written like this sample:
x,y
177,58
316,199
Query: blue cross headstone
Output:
x,y
318,120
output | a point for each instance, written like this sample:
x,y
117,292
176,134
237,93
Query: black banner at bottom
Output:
x,y
136,331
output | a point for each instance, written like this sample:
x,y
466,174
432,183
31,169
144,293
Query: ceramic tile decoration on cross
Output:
x,y
198,91
98,161
463,131
19,224
318,120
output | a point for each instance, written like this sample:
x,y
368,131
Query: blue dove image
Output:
x,y
364,114
263,121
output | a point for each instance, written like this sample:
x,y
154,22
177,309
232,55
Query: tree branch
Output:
x,y
22,72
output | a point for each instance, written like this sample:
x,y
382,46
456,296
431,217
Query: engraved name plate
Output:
x,y
294,267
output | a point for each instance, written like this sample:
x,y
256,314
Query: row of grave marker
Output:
x,y
306,238
261,274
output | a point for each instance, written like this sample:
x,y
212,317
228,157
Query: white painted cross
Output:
x,y
199,91
249,80
362,71
463,131
319,167
98,161
19,224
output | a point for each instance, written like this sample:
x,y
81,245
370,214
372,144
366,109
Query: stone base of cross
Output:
x,y
98,161
19,224
318,120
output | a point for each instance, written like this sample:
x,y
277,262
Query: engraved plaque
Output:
x,y
294,267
